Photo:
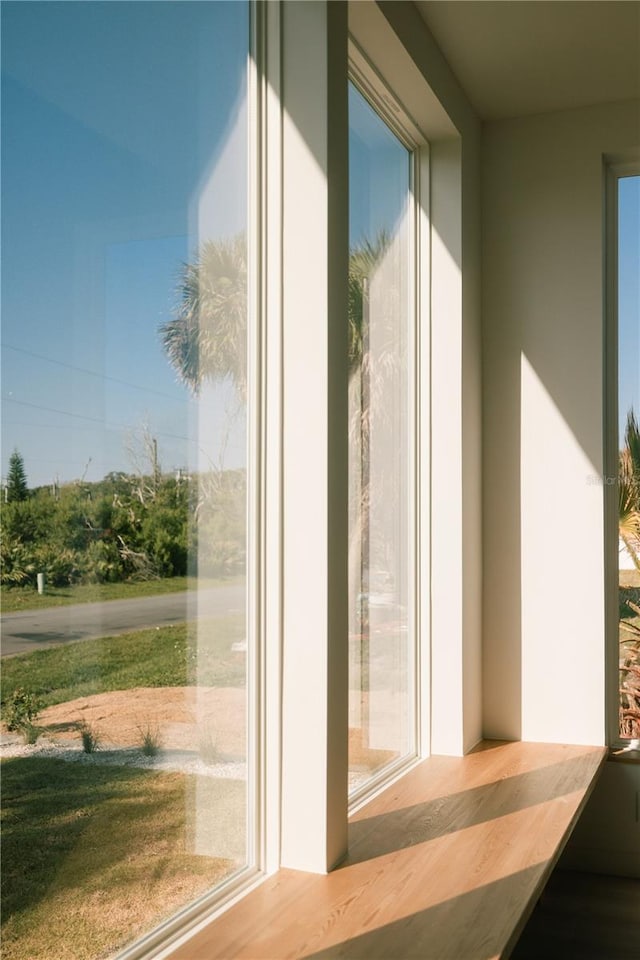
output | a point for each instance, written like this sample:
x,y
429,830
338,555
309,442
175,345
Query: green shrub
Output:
x,y
30,732
20,709
89,737
150,741
101,563
14,562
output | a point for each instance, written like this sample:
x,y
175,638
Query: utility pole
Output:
x,y
155,464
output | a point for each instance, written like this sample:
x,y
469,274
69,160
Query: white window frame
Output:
x,y
301,192
368,81
263,496
616,169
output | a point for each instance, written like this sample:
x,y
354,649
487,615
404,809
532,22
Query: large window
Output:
x,y
213,511
627,203
128,466
381,430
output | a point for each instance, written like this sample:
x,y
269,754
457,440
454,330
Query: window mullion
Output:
x,y
314,761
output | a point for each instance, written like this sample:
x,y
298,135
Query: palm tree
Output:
x,y
207,337
629,488
629,529
364,258
206,340
366,390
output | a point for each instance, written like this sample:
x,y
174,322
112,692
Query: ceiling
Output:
x,y
517,57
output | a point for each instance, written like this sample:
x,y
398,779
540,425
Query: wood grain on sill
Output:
x,y
446,863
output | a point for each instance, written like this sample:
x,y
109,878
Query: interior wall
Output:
x,y
543,255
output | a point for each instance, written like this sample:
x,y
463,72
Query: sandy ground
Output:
x,y
199,730
178,716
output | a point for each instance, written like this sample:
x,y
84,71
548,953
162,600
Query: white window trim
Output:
x,y
383,100
304,54
615,169
264,497
315,451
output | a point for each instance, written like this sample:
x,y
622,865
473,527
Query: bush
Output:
x,y
149,741
14,562
20,709
101,563
30,732
21,563
89,737
59,564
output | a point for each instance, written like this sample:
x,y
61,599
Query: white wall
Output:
x,y
543,591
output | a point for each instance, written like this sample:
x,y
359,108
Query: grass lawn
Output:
x,y
94,856
145,658
14,599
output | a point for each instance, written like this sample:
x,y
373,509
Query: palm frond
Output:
x,y
632,442
207,337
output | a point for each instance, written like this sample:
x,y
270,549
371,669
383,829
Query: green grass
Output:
x,y
95,855
14,599
162,657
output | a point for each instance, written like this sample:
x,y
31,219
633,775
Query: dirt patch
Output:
x,y
205,721
180,717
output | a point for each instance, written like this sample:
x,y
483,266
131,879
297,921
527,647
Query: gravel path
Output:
x,y
167,761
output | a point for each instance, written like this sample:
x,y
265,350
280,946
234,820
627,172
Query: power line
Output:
x,y
65,413
61,464
91,373
40,426
82,416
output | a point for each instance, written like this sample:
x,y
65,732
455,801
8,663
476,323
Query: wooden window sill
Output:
x,y
623,754
448,862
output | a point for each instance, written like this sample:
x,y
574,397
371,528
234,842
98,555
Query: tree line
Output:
x,y
124,527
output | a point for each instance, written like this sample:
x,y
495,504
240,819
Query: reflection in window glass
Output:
x,y
380,630
629,456
124,461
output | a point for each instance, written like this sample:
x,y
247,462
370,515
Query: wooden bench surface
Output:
x,y
446,864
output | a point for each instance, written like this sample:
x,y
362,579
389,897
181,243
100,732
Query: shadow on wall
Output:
x,y
543,420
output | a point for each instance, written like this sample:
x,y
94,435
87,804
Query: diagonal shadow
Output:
x,y
482,924
406,827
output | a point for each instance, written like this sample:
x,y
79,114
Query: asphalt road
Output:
x,y
36,629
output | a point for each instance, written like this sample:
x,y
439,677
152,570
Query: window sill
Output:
x,y
624,753
448,861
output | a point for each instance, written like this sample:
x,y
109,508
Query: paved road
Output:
x,y
35,629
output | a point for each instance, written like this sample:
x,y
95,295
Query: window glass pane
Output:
x,y
380,548
124,460
629,446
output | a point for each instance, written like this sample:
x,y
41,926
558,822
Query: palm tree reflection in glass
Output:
x,y
206,340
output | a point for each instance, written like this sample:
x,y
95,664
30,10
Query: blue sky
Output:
x,y
123,149
378,172
119,120
628,297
